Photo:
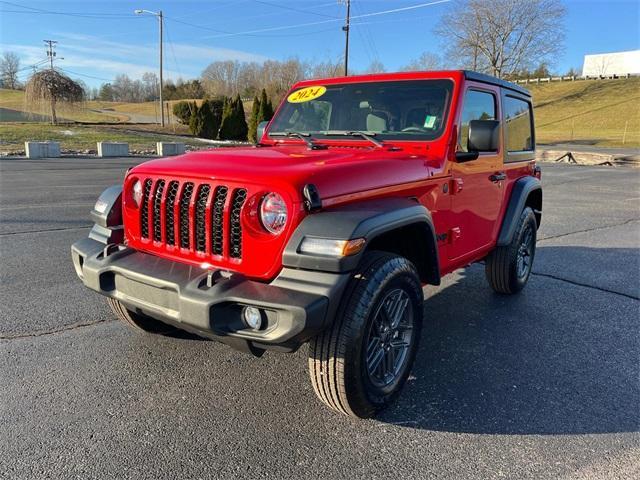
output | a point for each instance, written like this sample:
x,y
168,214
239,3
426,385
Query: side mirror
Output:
x,y
260,130
484,135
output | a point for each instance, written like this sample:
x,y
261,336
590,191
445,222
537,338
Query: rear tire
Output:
x,y
508,268
138,321
360,363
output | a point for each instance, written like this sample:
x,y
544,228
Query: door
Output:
x,y
477,186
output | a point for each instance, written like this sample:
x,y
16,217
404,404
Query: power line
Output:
x,y
292,9
196,26
369,37
231,34
33,11
33,65
332,20
220,7
85,75
173,53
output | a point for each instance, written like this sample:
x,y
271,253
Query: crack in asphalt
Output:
x,y
603,227
44,333
45,230
547,275
585,285
91,324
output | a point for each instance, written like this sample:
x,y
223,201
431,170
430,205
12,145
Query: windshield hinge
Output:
x,y
312,200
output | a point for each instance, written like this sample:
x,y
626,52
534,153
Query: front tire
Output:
x,y
137,321
360,364
508,268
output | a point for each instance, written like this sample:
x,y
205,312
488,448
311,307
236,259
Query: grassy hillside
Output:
x,y
91,111
590,112
14,100
587,112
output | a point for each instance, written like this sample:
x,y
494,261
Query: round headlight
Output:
x,y
137,193
273,213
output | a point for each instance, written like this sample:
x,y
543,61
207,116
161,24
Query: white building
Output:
x,y
616,63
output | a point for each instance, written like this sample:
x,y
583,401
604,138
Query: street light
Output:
x,y
159,15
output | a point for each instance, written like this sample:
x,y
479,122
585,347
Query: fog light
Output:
x,y
252,317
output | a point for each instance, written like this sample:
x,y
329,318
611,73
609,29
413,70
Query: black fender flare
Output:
x,y
522,189
368,220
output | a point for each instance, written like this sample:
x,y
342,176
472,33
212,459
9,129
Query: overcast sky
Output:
x,y
100,39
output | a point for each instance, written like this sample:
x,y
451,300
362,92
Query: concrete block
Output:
x,y
42,149
166,149
113,149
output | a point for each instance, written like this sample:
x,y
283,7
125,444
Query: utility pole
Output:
x,y
160,20
51,51
161,102
345,29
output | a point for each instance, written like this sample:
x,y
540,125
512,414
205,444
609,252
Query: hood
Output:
x,y
335,171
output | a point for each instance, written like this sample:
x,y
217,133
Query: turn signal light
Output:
x,y
331,247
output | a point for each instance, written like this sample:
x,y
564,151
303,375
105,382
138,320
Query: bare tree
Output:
x,y
52,87
221,77
150,82
230,78
326,69
502,37
376,66
426,61
9,66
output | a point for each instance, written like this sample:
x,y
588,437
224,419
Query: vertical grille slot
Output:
x,y
201,211
235,234
187,192
144,208
157,205
217,219
169,211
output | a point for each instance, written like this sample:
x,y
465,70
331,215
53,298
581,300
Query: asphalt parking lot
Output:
x,y
541,385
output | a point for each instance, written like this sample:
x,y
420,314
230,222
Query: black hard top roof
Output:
x,y
481,77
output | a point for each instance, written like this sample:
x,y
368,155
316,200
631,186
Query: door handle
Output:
x,y
498,177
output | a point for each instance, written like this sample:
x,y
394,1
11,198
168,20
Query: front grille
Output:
x,y
169,213
201,212
157,204
187,191
217,219
144,208
198,217
235,236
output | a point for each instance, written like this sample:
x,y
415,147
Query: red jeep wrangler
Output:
x,y
361,190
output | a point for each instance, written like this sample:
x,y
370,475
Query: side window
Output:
x,y
477,106
517,116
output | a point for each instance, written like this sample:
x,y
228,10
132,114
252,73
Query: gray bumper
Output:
x,y
296,305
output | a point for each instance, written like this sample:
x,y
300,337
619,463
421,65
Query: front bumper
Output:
x,y
295,306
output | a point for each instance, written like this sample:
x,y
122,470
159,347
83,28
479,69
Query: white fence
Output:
x,y
574,78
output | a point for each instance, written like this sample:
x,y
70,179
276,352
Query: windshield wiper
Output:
x,y
356,133
300,135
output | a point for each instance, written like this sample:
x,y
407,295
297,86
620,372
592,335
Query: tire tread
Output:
x,y
499,264
327,351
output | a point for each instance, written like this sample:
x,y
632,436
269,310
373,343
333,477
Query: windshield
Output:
x,y
391,110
